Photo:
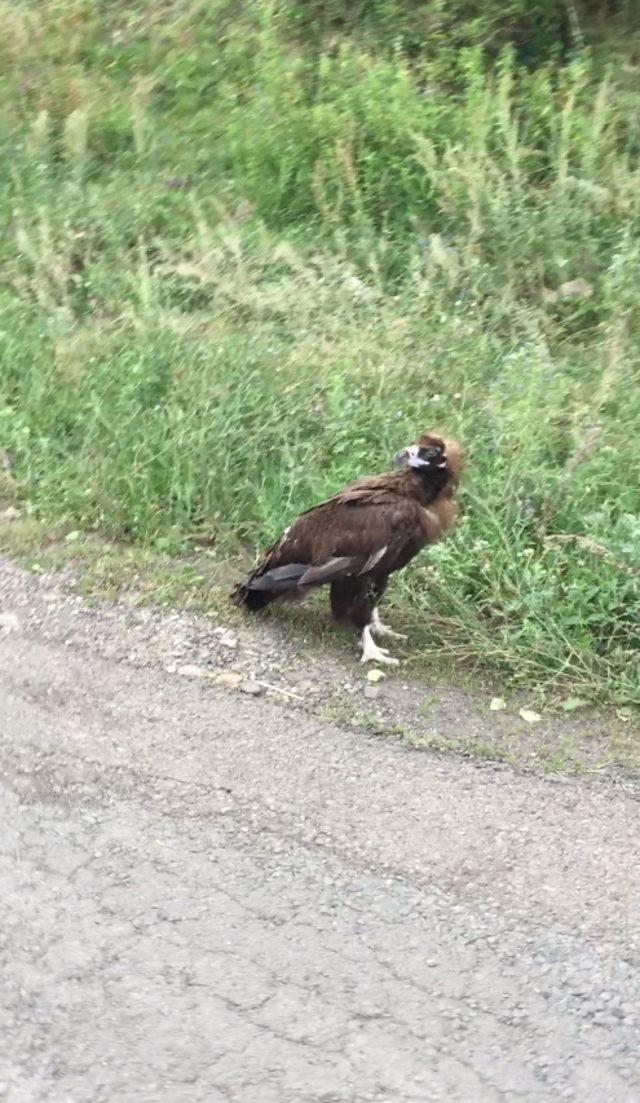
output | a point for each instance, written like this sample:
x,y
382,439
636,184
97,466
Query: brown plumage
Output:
x,y
354,540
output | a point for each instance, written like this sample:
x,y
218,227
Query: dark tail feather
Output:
x,y
321,573
260,590
253,600
279,579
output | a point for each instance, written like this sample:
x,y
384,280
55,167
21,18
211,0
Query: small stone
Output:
x,y
229,640
229,678
9,622
252,689
11,514
603,1018
171,668
191,671
371,692
375,675
530,716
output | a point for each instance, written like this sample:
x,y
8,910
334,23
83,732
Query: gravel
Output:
x,y
208,894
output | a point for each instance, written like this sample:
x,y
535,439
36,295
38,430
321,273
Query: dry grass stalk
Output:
x,y
596,549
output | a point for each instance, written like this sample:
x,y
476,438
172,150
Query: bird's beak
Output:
x,y
408,457
401,458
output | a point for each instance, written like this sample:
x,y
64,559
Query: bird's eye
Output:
x,y
430,453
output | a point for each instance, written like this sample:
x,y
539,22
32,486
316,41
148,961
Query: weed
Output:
x,y
236,273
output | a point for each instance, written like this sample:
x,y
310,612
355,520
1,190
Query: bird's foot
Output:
x,y
383,630
371,653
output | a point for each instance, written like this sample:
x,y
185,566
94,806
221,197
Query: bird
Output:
x,y
355,539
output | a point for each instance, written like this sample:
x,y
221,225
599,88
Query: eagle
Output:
x,y
354,540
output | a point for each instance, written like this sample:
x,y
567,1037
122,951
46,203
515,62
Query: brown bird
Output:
x,y
354,540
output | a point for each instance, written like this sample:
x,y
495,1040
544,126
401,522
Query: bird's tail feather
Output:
x,y
253,600
279,578
262,588
293,579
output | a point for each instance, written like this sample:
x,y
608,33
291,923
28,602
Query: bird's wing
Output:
x,y
364,528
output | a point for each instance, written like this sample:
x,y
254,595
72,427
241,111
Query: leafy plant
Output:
x,y
241,266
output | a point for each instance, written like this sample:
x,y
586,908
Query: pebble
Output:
x,y
229,678
603,1018
229,640
371,692
191,671
11,514
252,689
9,622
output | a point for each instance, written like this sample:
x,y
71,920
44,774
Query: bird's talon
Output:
x,y
371,653
387,633
381,658
383,630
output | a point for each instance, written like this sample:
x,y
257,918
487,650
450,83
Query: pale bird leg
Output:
x,y
383,630
371,653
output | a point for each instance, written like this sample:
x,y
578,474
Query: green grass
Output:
x,y
234,275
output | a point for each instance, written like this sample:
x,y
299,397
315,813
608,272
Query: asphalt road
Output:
x,y
206,897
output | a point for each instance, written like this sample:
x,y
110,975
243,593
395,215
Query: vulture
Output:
x,y
354,540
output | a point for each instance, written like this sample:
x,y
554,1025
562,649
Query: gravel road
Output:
x,y
207,895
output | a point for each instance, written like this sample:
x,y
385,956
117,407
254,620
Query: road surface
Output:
x,y
209,897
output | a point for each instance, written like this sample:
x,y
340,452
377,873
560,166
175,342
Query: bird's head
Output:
x,y
434,455
428,451
437,459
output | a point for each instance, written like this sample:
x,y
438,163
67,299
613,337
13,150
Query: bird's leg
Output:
x,y
383,630
371,653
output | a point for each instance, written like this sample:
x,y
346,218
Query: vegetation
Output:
x,y
250,250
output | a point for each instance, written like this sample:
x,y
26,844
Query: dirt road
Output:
x,y
209,896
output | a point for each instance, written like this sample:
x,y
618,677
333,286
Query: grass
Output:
x,y
234,275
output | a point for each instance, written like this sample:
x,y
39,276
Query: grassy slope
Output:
x,y
232,278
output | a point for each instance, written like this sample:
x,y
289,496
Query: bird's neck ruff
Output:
x,y
424,485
